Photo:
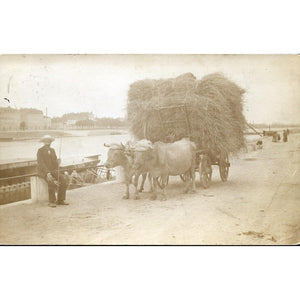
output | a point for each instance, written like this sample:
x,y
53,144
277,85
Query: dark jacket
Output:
x,y
46,163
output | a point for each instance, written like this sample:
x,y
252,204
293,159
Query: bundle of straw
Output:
x,y
214,110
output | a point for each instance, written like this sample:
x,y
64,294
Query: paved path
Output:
x,y
259,205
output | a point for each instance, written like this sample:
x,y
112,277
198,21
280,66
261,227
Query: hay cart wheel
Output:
x,y
224,167
205,172
159,182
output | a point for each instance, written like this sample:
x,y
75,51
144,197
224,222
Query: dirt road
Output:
x,y
259,205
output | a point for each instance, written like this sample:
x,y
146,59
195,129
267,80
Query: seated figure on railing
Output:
x,y
48,168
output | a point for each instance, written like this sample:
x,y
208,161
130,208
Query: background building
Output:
x,y
10,119
74,121
23,119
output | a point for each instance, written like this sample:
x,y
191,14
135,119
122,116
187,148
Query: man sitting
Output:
x,y
47,167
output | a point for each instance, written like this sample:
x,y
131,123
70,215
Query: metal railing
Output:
x,y
15,192
18,188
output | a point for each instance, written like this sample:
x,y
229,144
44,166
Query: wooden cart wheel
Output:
x,y
108,174
224,167
159,182
205,172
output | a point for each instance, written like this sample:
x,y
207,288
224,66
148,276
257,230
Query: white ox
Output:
x,y
121,155
162,160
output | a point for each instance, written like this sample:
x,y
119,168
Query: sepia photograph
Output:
x,y
149,149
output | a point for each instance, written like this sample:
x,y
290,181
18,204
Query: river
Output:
x,y
81,144
75,146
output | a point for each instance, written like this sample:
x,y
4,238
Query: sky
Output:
x,y
99,83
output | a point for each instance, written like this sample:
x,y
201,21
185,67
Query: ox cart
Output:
x,y
205,157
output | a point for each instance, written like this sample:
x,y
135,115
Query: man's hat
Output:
x,y
47,138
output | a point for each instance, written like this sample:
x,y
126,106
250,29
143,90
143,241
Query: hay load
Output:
x,y
213,106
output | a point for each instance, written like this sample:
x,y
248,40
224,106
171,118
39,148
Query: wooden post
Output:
x,y
162,125
251,127
39,189
188,125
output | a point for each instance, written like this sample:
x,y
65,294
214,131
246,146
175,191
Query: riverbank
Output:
x,y
258,205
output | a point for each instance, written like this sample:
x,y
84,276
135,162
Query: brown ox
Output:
x,y
164,160
119,155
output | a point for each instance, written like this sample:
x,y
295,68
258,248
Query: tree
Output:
x,y
110,122
85,123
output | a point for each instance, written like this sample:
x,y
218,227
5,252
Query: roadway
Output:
x,y
258,205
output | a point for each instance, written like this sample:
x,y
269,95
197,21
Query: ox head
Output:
x,y
115,155
143,154
129,148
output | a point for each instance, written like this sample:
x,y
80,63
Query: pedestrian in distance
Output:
x,y
285,136
275,137
259,144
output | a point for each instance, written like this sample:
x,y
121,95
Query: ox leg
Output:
x,y
164,184
136,181
143,182
193,181
154,192
187,182
192,171
126,196
150,182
